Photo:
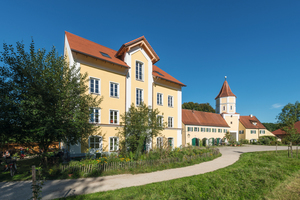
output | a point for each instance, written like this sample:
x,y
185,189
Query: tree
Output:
x,y
50,97
289,115
271,126
206,107
138,126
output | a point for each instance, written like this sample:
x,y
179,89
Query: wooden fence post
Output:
x,y
291,149
276,147
34,193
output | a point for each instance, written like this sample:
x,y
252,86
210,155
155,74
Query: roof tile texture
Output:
x,y
225,91
88,47
281,132
247,122
200,118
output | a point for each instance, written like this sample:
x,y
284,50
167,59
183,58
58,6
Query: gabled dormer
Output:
x,y
226,100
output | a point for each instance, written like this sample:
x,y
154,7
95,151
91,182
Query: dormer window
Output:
x,y
254,123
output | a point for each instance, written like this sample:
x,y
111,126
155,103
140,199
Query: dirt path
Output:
x,y
21,190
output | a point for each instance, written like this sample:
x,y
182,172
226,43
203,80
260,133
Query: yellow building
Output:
x,y
211,127
124,77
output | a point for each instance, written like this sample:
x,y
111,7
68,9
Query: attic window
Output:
x,y
254,123
158,73
105,54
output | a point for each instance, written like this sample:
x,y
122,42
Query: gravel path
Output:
x,y
21,190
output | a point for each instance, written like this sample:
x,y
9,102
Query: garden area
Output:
x,y
94,166
259,175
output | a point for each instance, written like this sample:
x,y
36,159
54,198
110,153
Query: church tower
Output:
x,y
226,106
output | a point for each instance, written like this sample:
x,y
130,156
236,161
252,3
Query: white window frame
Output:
x,y
161,122
253,131
262,131
202,129
190,129
99,85
159,142
112,110
219,130
100,143
159,99
171,125
94,113
196,129
138,70
172,99
136,95
110,147
118,89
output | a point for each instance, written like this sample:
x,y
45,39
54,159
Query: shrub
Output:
x,y
244,141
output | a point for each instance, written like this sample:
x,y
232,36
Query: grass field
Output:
x,y
260,175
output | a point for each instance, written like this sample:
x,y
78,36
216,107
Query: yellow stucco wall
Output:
x,y
101,70
242,128
138,56
234,126
201,135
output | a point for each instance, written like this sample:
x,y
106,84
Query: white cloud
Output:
x,y
277,105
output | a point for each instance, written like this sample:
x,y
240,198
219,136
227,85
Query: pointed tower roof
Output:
x,y
225,90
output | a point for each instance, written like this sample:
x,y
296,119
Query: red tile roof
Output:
x,y
200,118
225,91
281,132
247,122
81,45
164,75
87,47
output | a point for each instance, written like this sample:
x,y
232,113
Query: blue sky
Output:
x,y
256,44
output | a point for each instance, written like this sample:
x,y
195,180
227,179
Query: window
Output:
x,y
113,117
114,89
196,129
170,122
95,142
139,96
231,109
170,101
223,107
113,144
219,130
190,129
202,129
160,120
225,130
253,131
159,142
139,71
208,129
214,130
241,131
95,115
262,131
171,142
159,99
94,85
105,54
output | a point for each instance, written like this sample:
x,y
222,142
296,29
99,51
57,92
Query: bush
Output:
x,y
244,141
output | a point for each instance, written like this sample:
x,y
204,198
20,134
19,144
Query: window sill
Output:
x,y
139,80
117,97
95,93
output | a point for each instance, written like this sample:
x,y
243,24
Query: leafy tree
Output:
x,y
206,107
45,99
289,115
138,126
271,126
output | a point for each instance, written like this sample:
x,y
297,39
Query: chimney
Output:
x,y
251,115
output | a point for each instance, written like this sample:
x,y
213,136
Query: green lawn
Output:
x,y
23,170
254,176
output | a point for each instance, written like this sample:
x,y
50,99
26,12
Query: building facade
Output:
x,y
124,77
